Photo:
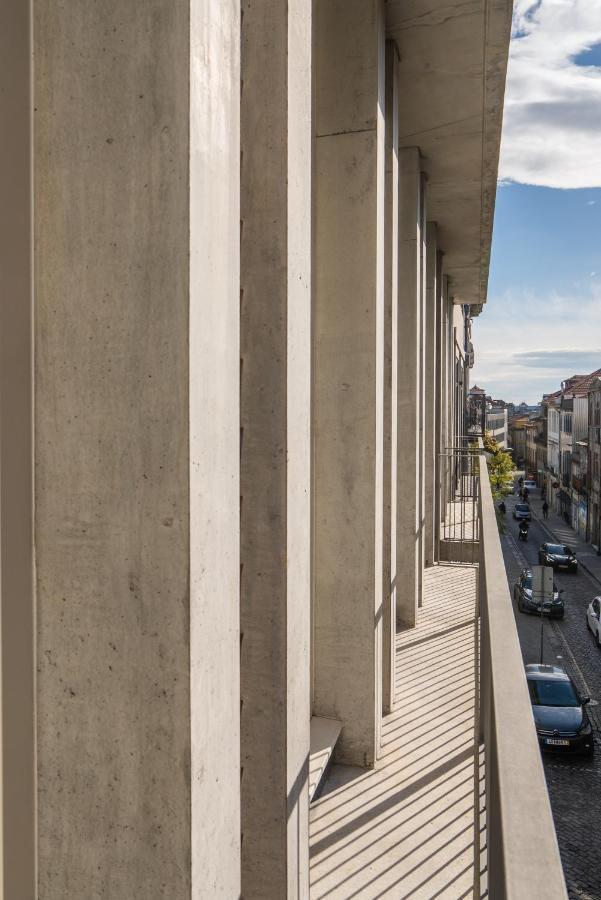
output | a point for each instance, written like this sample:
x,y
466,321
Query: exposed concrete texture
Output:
x,y
391,199
275,385
349,371
17,760
453,63
214,448
111,444
408,392
430,368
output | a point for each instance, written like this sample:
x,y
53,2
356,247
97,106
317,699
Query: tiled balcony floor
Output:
x,y
406,829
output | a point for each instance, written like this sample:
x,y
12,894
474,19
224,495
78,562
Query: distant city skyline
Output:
x,y
542,321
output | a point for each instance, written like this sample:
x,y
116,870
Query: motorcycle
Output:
x,y
523,532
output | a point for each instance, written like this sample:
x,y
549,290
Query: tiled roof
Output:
x,y
581,388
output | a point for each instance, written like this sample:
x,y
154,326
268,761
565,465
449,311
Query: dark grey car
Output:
x,y
560,556
522,592
560,716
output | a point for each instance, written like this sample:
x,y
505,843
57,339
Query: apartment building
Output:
x,y
497,423
594,463
516,426
536,447
258,232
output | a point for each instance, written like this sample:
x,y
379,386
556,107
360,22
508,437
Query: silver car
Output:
x,y
521,512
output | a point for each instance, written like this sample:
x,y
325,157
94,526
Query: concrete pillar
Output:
x,y
408,548
389,419
136,161
430,360
17,685
439,409
275,386
214,400
349,370
421,519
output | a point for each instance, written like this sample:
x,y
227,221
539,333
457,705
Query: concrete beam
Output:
x,y
453,65
275,390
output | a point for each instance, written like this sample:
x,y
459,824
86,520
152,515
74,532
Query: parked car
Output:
x,y
560,717
522,592
531,485
559,556
521,511
593,618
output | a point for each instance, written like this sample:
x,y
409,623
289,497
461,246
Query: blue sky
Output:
x,y
542,322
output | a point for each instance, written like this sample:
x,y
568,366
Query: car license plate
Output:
x,y
557,742
563,566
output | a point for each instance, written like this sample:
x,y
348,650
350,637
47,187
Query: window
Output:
x,y
552,693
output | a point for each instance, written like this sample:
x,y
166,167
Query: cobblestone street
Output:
x,y
574,783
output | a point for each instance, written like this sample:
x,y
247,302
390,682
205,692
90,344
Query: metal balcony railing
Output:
x,y
460,478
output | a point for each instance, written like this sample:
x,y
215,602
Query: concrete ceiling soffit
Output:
x,y
453,62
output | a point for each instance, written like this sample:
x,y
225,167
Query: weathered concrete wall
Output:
x,y
348,370
275,384
214,447
111,445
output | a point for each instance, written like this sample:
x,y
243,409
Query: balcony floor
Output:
x,y
406,828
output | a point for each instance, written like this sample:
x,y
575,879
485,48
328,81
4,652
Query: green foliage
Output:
x,y
500,468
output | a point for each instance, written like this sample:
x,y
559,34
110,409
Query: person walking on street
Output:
x,y
545,509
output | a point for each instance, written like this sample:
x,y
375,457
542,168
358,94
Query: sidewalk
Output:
x,y
559,531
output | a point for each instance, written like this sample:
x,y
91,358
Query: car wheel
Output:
x,y
588,624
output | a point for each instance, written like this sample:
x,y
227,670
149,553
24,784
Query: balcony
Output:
x,y
451,808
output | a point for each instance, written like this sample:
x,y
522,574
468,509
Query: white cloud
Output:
x,y
527,344
552,124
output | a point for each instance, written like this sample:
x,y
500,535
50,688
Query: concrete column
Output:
x,y
275,386
389,419
430,367
136,161
422,397
349,370
439,409
214,400
446,394
408,550
17,655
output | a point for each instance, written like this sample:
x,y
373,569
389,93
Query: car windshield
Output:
x,y
528,583
522,507
557,548
552,693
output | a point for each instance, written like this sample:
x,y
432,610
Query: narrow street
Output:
x,y
574,783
